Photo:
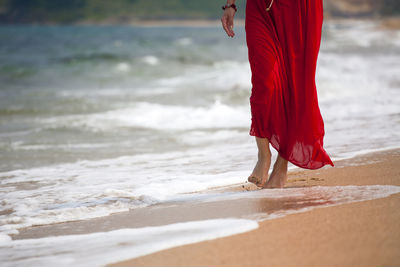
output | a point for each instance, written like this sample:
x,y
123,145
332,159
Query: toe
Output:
x,y
253,179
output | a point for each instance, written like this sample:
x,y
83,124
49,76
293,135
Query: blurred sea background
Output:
x,y
107,106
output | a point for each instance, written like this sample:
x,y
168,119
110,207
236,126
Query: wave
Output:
x,y
129,243
88,189
157,116
117,245
89,57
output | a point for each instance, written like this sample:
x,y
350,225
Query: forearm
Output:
x,y
229,2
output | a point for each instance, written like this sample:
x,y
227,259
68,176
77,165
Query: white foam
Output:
x,y
23,146
327,195
151,60
357,81
117,245
157,116
358,97
88,189
123,67
184,41
222,76
361,33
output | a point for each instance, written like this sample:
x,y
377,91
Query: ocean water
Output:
x,y
113,246
101,119
128,243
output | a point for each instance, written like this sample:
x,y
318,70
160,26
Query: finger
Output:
x,y
231,19
231,28
225,25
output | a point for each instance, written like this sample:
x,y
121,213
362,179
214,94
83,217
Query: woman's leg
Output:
x,y
279,174
259,176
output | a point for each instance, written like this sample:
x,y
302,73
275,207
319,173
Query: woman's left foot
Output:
x,y
259,175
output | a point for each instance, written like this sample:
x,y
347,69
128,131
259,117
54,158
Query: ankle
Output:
x,y
281,161
281,166
264,155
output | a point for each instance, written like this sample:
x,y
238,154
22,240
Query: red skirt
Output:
x,y
283,45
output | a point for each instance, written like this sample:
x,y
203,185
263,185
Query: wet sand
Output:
x,y
364,233
357,234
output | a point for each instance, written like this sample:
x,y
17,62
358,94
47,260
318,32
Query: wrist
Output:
x,y
229,6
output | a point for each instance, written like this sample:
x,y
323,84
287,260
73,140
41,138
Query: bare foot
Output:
x,y
259,176
279,174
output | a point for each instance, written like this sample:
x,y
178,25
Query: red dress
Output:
x,y
283,45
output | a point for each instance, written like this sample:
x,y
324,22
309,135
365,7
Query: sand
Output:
x,y
357,234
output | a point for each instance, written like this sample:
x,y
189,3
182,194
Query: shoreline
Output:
x,y
326,235
179,211
369,229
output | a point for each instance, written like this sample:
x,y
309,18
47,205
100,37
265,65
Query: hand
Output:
x,y
227,21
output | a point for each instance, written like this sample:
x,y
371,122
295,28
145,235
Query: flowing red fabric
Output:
x,y
283,45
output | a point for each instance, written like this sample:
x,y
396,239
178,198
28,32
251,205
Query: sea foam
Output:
x,y
117,245
122,244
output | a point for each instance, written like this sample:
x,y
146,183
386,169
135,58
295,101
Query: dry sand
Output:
x,y
357,234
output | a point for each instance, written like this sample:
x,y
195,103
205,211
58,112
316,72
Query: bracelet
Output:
x,y
231,5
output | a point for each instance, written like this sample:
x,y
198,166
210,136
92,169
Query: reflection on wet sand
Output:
x,y
257,204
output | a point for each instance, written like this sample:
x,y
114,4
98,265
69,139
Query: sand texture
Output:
x,y
357,234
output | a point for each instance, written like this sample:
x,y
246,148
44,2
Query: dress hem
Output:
x,y
291,161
